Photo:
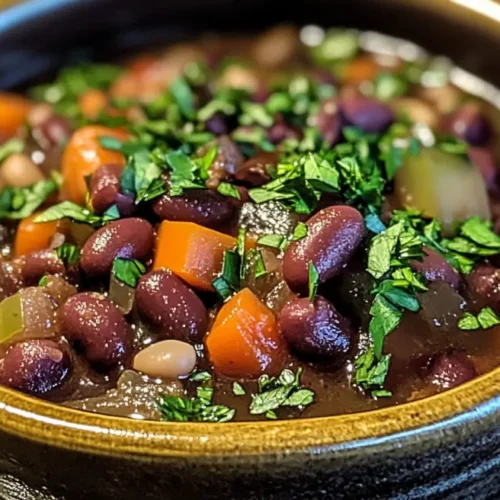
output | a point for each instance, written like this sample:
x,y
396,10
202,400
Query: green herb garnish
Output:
x,y
487,318
128,271
238,389
313,281
68,253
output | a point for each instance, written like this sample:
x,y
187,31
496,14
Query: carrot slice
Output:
x,y
245,340
31,236
360,69
194,253
83,155
92,102
13,112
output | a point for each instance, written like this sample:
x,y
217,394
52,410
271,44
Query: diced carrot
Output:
x,y
92,102
31,236
194,253
245,340
360,70
13,112
83,155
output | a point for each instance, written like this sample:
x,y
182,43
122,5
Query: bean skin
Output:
x,y
484,281
316,328
166,301
34,367
167,359
131,238
333,235
434,267
95,325
449,369
204,207
368,114
39,264
105,186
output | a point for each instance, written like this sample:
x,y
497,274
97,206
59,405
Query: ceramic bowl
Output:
x,y
446,446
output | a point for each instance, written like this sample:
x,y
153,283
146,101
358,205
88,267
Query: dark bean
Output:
x,y
169,303
104,187
333,235
96,326
484,281
229,156
484,160
329,121
11,278
281,130
449,369
315,328
40,263
469,123
127,238
261,95
125,204
434,267
255,171
217,124
201,206
34,367
368,114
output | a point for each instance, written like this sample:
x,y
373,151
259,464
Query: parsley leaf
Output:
x,y
486,318
370,372
77,213
381,249
313,281
272,241
238,389
299,232
183,172
229,190
68,253
229,281
183,96
128,271
200,376
259,266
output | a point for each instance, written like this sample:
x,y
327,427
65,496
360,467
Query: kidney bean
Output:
x,y
166,301
19,171
449,369
127,238
167,359
105,186
34,367
281,131
484,160
434,267
255,171
329,121
217,124
40,263
53,131
333,235
11,278
96,326
201,206
125,204
315,328
468,123
226,163
484,281
368,114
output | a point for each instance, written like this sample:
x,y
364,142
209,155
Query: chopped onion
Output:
x,y
122,295
11,317
444,186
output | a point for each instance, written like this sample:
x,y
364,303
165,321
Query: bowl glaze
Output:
x,y
447,446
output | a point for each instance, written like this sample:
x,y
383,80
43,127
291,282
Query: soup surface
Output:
x,y
295,224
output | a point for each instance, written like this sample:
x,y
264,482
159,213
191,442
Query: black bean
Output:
x,y
316,328
469,123
34,367
201,206
368,114
40,263
166,301
434,267
449,369
127,238
333,235
96,326
104,187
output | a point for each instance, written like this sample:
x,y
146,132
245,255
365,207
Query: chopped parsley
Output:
x,y
282,391
238,389
299,232
486,318
313,281
68,253
128,271
229,282
77,213
277,241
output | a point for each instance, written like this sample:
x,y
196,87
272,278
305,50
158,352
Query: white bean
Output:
x,y
166,359
19,171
